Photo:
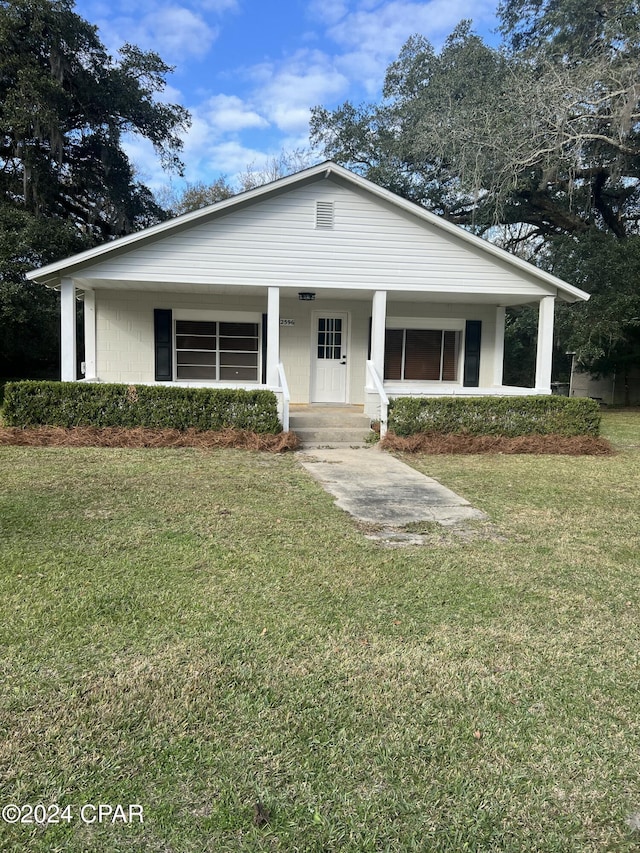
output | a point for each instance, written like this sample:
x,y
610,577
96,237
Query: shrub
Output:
x,y
70,404
505,416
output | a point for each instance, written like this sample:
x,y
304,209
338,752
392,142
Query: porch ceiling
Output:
x,y
324,296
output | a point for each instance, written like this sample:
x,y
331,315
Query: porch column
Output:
x,y
378,323
498,350
545,344
273,335
90,334
68,330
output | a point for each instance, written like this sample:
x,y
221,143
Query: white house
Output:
x,y
321,286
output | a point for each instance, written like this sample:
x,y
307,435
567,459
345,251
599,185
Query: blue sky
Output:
x,y
250,70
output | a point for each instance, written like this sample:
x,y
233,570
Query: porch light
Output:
x,y
306,297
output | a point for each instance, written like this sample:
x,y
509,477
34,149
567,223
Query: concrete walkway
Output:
x,y
376,488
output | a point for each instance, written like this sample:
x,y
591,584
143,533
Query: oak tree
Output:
x,y
66,182
534,143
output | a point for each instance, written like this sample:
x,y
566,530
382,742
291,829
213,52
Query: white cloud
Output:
x,y
218,6
214,142
170,95
218,119
175,32
107,8
232,158
264,108
205,161
228,114
372,34
197,138
147,165
288,90
178,32
328,11
386,27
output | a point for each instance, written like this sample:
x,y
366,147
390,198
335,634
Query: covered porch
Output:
x,y
326,346
476,370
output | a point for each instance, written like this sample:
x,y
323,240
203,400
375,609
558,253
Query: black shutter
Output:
x,y
163,334
472,337
264,349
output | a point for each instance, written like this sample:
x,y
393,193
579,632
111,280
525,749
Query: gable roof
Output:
x,y
52,274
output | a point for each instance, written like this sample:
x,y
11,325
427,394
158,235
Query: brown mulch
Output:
x,y
140,437
577,445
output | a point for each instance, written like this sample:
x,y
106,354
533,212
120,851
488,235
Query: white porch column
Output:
x,y
545,344
498,350
378,323
90,334
68,330
273,335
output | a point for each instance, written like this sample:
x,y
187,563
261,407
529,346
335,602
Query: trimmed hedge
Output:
x,y
71,404
505,416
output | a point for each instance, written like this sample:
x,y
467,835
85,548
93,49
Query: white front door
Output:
x,y
330,358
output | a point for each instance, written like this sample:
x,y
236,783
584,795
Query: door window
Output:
x,y
330,337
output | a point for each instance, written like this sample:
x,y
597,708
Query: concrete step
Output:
x,y
321,417
330,435
334,445
338,426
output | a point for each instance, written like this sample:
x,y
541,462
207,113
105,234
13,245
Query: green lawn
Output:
x,y
196,630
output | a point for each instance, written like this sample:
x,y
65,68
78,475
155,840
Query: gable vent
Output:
x,y
324,214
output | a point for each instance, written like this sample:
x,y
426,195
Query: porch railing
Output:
x,y
384,400
286,397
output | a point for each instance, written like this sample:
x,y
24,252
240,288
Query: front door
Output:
x,y
330,359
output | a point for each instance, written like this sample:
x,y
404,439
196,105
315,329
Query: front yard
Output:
x,y
193,631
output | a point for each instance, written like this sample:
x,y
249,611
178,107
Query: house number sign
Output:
x,y
287,322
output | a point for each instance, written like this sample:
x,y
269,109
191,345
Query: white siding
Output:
x,y
124,329
295,347
373,245
125,344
